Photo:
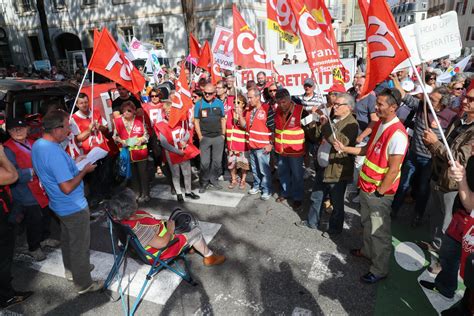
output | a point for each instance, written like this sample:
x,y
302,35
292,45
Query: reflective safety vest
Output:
x,y
137,153
376,160
94,140
23,160
142,218
259,134
289,136
237,137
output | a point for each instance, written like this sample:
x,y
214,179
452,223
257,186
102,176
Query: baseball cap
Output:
x,y
308,82
16,122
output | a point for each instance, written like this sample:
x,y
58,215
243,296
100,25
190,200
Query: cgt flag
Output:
x,y
318,42
281,19
194,50
111,62
247,51
181,101
205,57
385,46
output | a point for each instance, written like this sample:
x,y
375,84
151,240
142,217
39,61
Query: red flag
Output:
x,y
364,8
281,19
194,49
96,39
385,46
322,16
109,61
205,58
247,51
321,53
181,100
216,71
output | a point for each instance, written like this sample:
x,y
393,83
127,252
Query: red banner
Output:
x,y
280,18
318,42
247,51
110,61
181,100
385,46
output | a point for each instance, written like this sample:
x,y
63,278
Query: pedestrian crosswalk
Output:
x,y
218,198
160,289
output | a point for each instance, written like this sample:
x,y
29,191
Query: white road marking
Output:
x,y
210,197
409,256
439,302
298,311
160,288
320,270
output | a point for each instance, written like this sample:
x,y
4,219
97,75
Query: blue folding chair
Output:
x,y
129,242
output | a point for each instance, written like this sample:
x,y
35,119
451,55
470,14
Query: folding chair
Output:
x,y
129,242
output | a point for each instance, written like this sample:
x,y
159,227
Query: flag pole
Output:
x,y
425,110
316,76
92,98
427,98
78,91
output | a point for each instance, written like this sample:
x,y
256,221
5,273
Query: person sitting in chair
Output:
x,y
154,234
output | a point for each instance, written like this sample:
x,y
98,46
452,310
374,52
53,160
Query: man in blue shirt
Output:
x,y
210,122
63,183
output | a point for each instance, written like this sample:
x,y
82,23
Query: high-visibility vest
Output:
x,y
289,136
376,159
23,160
145,219
137,153
94,140
259,134
237,137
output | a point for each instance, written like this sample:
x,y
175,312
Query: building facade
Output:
x,y
409,12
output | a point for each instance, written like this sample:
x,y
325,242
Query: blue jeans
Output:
x,y
336,193
449,256
422,167
291,172
262,175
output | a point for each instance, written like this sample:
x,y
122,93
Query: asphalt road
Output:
x,y
272,267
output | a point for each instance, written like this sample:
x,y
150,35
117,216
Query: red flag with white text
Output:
x,y
110,61
181,101
216,71
385,46
280,18
319,44
247,51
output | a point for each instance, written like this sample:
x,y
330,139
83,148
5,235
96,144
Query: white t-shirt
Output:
x,y
398,142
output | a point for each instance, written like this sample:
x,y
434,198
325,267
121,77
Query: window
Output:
x,y
35,47
261,33
127,33
411,18
90,37
88,2
24,6
343,11
119,1
459,7
59,4
298,46
423,16
470,34
206,30
281,43
157,33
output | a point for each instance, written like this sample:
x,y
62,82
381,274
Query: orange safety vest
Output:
x,y
137,153
97,140
259,134
237,137
146,219
23,160
376,159
289,136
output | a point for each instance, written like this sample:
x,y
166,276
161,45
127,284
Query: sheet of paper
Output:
x,y
95,154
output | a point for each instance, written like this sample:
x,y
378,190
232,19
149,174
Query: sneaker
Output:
x,y
17,298
254,191
304,224
265,196
94,287
213,260
221,178
68,274
371,278
51,243
432,287
192,196
37,254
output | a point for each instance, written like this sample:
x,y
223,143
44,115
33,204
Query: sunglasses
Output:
x,y
457,89
432,78
154,96
209,93
238,102
340,104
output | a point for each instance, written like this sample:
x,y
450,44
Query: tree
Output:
x,y
45,31
188,7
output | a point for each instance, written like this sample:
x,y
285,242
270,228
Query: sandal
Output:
x,y
233,184
242,185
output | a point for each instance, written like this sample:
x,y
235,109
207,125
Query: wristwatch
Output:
x,y
378,194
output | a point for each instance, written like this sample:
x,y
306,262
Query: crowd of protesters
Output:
x,y
384,147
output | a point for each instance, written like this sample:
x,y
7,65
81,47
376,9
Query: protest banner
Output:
x,y
222,48
408,34
438,36
292,77
451,71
